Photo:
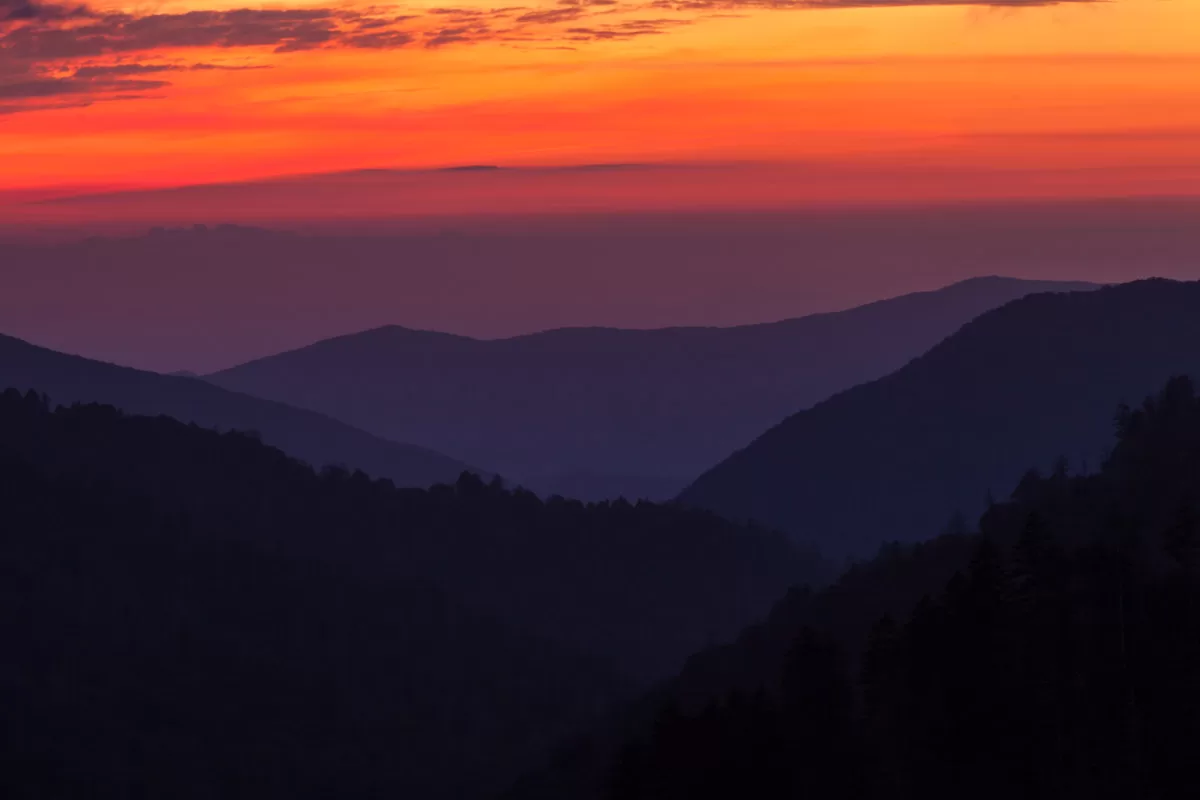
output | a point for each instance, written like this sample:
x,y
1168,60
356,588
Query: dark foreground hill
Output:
x,y
1052,654
1018,387
147,652
596,412
638,586
306,435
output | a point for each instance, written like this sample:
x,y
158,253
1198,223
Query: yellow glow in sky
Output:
x,y
210,90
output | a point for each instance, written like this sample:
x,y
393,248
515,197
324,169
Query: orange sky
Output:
x,y
115,98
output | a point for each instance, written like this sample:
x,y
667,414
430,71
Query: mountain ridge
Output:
x,y
308,435
567,330
664,404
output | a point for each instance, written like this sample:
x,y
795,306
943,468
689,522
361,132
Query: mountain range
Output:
x,y
307,435
206,298
601,412
192,611
1021,386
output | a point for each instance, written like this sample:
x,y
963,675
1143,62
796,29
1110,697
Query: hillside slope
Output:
x,y
1046,594
306,435
1060,662
150,652
639,587
1018,387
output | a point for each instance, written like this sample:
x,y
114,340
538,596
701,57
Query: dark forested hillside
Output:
x,y
600,412
1018,387
147,654
891,583
640,586
1072,584
306,435
1058,661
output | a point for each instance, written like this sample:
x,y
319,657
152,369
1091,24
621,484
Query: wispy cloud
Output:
x,y
49,49
83,85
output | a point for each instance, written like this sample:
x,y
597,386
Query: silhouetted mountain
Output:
x,y
638,586
1051,655
1022,385
663,404
306,435
152,648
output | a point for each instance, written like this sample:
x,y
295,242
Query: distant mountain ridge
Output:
x,y
1021,385
309,436
661,405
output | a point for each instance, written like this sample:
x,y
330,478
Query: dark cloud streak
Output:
x,y
89,82
49,87
111,34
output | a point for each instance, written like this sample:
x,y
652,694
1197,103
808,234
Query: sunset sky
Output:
x,y
1105,95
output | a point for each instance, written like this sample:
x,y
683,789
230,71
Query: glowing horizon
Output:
x,y
112,95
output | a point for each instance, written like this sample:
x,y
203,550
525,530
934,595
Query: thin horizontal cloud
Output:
x,y
380,40
111,70
553,15
445,36
18,107
456,12
42,89
49,87
107,70
628,29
